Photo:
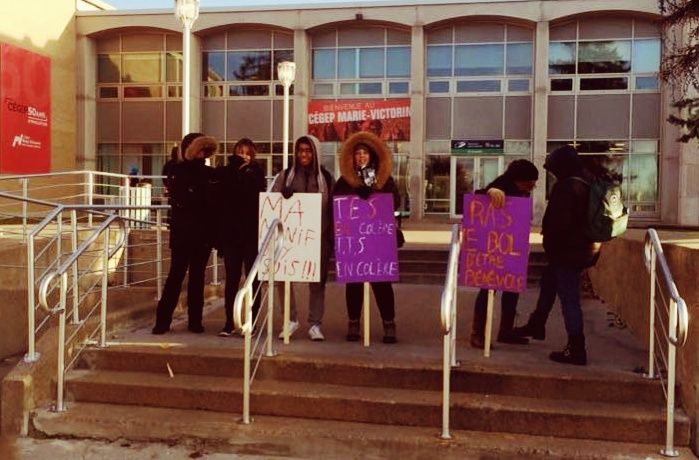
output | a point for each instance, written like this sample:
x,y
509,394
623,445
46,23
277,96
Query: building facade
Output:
x,y
457,90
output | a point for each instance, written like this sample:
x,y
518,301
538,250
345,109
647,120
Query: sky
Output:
x,y
155,4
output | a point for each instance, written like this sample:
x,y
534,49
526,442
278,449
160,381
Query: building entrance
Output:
x,y
468,174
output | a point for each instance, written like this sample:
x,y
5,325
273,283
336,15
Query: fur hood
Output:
x,y
202,143
384,159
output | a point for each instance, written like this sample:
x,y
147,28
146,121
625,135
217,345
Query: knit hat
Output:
x,y
523,170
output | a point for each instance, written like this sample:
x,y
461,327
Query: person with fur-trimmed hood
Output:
x,y
307,175
192,231
365,165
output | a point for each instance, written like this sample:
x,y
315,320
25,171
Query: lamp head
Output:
x,y
287,72
187,11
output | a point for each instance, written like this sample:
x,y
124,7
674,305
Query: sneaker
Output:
x,y
389,335
353,331
509,337
227,331
530,330
293,327
315,334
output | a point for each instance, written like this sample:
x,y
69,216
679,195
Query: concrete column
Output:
x,y
689,186
86,107
302,84
669,172
416,162
540,116
195,72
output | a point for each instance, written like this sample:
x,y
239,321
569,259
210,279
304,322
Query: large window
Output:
x,y
605,100
239,76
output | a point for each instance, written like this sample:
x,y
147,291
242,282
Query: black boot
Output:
x,y
573,353
389,332
507,320
353,330
535,328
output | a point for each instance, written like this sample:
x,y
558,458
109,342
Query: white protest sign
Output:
x,y
299,259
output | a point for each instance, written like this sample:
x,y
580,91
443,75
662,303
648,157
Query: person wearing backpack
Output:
x,y
569,250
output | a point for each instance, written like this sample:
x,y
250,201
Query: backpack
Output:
x,y
607,217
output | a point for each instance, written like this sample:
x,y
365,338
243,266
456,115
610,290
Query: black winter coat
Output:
x,y
240,186
193,213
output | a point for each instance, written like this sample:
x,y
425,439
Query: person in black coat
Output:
x,y
568,253
191,231
365,164
519,180
242,180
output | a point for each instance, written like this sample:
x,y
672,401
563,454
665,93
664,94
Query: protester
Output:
x,y
191,231
519,180
365,164
307,175
242,180
568,252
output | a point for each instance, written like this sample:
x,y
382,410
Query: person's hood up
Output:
x,y
202,143
563,162
384,159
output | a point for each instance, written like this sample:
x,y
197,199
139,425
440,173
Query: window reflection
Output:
x,y
214,66
439,61
646,56
249,65
398,62
561,58
371,62
604,57
141,68
476,60
108,68
437,183
519,59
323,64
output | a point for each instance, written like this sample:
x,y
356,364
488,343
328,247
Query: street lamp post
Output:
x,y
186,11
287,72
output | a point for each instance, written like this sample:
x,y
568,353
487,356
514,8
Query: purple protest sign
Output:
x,y
495,243
365,238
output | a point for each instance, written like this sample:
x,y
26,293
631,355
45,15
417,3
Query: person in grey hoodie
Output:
x,y
307,175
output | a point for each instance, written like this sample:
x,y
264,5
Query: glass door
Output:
x,y
469,174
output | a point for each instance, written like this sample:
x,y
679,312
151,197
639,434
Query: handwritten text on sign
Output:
x,y
365,238
300,215
495,243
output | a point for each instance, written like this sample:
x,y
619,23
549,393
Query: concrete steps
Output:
x,y
380,393
287,437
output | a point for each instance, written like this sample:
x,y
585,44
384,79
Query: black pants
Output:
x,y
184,257
234,258
383,292
507,315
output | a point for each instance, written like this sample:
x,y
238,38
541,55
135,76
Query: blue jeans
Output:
x,y
563,282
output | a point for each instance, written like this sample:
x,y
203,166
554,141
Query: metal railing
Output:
x,y
270,250
448,317
670,329
61,272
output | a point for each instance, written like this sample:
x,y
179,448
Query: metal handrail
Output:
x,y
244,300
448,317
72,258
652,240
675,332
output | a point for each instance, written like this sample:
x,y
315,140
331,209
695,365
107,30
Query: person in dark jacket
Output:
x,y
191,231
519,179
307,175
568,253
365,164
242,180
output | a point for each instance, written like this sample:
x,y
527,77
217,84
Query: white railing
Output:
x,y
670,329
448,317
61,272
242,309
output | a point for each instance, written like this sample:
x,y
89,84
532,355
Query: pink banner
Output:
x,y
495,243
332,121
25,116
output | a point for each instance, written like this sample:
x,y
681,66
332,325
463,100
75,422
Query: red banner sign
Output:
x,y
332,121
25,116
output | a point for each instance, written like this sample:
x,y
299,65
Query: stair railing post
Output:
x,y
446,375
452,331
60,361
247,331
59,237
32,355
669,450
270,302
90,194
287,307
214,280
158,253
25,195
651,318
105,282
488,324
74,268
365,313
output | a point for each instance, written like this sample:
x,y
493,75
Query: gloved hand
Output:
x,y
287,193
364,192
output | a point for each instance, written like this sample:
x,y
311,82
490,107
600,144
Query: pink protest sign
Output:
x,y
495,243
365,238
